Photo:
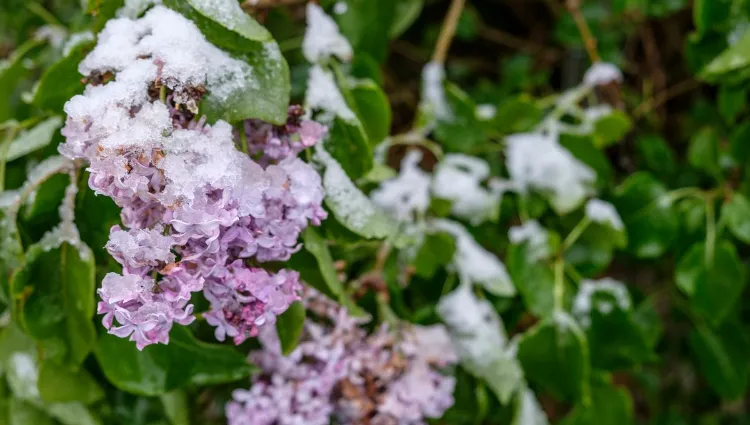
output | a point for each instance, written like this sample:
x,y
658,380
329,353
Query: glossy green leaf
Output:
x,y
289,326
650,222
616,341
719,285
436,251
176,407
61,81
736,215
710,14
367,24
555,356
407,11
36,138
462,132
373,109
534,279
734,58
731,101
656,155
609,405
703,153
12,71
22,413
159,369
722,357
58,384
611,128
690,267
54,292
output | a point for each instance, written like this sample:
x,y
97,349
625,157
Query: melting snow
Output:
x,y
408,194
322,93
601,74
533,234
603,295
604,213
322,37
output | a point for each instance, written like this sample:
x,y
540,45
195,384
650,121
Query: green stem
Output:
x,y
243,140
575,234
559,283
163,93
12,131
710,230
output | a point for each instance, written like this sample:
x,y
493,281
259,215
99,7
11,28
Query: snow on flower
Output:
x,y
605,213
326,376
194,208
533,234
322,37
603,295
537,161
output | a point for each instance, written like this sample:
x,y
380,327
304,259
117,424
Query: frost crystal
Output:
x,y
322,37
534,235
459,179
327,377
605,213
603,295
601,74
537,161
194,208
407,195
473,263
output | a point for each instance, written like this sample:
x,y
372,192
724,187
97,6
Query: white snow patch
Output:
x,y
533,234
603,295
53,34
408,194
77,39
459,178
605,213
340,8
473,263
322,37
322,93
433,91
537,161
601,74
486,111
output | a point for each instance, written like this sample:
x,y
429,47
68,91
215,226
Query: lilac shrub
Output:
x,y
195,209
340,372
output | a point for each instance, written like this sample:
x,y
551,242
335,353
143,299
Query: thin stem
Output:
x,y
710,230
447,31
244,147
163,93
575,234
12,131
574,7
559,283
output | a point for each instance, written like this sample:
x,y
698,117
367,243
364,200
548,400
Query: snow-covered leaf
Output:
x,y
36,138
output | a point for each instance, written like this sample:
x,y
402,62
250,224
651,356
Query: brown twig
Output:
x,y
589,42
447,31
664,96
514,42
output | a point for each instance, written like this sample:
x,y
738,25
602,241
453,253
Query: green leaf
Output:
x,y
366,24
22,413
517,115
690,267
649,221
61,81
407,11
224,23
736,215
610,405
289,327
703,153
347,142
263,95
54,289
373,109
436,251
159,369
58,384
617,341
176,407
611,128
584,149
739,143
36,138
731,100
734,58
656,154
555,356
329,282
463,131
103,11
719,286
722,357
534,280
710,14
11,255
12,71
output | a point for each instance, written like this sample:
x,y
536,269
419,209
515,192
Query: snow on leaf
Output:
x,y
602,295
322,37
473,263
33,139
322,93
533,234
408,194
528,410
433,92
605,213
601,74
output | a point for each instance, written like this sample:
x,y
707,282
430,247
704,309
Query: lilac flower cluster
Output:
x,y
339,372
195,210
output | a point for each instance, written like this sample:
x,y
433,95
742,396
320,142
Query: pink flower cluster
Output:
x,y
339,372
195,209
